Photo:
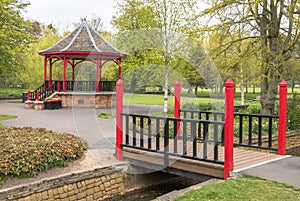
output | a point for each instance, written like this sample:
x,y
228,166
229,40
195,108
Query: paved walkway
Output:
x,y
83,122
100,134
286,170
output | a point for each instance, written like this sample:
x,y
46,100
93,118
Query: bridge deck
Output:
x,y
242,158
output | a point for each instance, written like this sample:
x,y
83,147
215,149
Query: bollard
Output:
x,y
228,127
119,122
282,118
177,105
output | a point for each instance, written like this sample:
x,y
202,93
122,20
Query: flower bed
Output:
x,y
51,104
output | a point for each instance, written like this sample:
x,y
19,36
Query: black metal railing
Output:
x,y
250,130
187,138
76,86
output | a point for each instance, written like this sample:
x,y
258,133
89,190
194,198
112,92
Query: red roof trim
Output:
x,y
84,53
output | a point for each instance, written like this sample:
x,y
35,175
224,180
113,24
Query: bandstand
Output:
x,y
83,44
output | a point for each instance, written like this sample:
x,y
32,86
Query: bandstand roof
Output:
x,y
84,42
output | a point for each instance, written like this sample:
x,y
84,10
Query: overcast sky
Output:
x,y
63,13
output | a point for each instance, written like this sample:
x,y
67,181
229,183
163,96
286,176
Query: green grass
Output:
x,y
245,188
4,117
147,99
105,115
11,92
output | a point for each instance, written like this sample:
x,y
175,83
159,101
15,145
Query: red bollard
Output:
x,y
228,127
119,121
177,105
282,118
28,94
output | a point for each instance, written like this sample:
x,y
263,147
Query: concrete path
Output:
x,y
285,170
83,122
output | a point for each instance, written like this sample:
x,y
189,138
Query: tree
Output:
x,y
273,31
14,36
158,25
35,62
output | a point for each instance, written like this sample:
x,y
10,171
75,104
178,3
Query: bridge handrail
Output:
x,y
192,131
240,118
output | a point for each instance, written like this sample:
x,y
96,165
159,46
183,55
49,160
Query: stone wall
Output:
x,y
96,184
86,99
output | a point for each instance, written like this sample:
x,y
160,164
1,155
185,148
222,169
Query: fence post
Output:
x,y
58,84
177,105
28,94
119,122
228,127
282,118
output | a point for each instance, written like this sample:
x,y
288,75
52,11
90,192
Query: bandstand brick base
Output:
x,y
87,99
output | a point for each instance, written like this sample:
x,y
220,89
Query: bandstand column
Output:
x,y
45,72
120,68
65,75
98,63
50,72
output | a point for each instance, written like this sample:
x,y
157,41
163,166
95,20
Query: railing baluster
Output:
x,y
216,157
157,134
127,129
134,131
175,136
259,130
270,132
205,137
241,129
184,137
166,143
149,134
141,132
250,131
194,139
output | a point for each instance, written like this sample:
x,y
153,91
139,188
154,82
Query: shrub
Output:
x,y
253,108
216,106
25,151
293,115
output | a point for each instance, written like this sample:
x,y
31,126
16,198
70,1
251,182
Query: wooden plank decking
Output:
x,y
242,158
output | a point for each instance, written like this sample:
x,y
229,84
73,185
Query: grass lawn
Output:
x,y
4,117
159,99
11,92
244,188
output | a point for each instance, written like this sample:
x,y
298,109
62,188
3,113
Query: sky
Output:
x,y
64,13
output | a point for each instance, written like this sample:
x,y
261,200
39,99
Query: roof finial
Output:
x,y
83,19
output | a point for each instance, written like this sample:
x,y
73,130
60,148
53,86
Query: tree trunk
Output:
x,y
196,90
166,84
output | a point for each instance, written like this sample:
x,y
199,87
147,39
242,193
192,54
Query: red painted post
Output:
x,y
228,127
28,94
45,73
177,105
119,122
58,84
65,75
282,118
38,95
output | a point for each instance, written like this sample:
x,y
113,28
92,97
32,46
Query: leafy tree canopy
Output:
x,y
14,35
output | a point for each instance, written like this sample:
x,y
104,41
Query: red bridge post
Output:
x,y
282,118
228,127
119,122
177,105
